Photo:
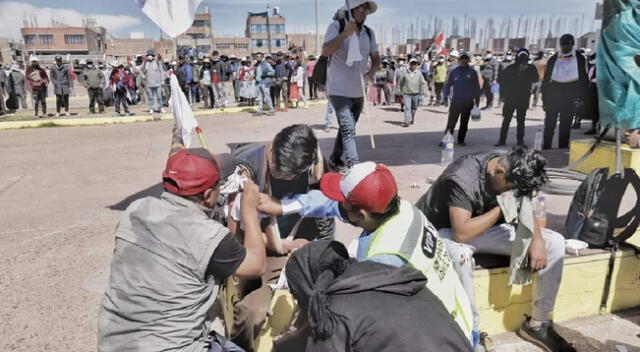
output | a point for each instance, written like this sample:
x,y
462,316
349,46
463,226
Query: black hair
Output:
x,y
294,150
526,170
392,209
215,53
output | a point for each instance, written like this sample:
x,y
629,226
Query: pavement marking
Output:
x,y
93,121
6,188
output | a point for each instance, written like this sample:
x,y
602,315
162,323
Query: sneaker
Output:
x,y
544,337
151,111
162,110
404,124
271,113
306,107
57,115
67,114
117,114
126,114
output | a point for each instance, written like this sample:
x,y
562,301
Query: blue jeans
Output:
x,y
154,98
348,112
329,115
263,96
410,102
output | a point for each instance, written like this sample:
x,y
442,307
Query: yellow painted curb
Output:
x,y
93,121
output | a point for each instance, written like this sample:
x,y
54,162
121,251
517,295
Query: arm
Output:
x,y
330,47
376,62
465,228
312,204
254,264
537,249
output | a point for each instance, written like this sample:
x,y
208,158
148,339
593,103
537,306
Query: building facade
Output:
x,y
239,47
258,32
305,41
10,51
199,35
88,40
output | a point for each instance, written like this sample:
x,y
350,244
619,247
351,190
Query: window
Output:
x,y
259,43
46,38
277,28
74,39
242,46
223,46
30,39
200,23
278,43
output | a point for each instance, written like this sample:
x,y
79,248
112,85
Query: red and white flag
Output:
x,y
437,42
174,17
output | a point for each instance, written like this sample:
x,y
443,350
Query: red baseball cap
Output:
x,y
368,186
193,171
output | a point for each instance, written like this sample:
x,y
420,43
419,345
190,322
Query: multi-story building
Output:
x,y
199,35
462,44
87,40
258,32
129,48
10,51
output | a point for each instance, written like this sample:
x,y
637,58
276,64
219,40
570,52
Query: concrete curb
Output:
x,y
94,121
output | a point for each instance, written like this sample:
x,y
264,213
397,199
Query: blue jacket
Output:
x,y
465,84
188,72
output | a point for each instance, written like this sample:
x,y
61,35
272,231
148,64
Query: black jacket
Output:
x,y
554,94
517,84
374,307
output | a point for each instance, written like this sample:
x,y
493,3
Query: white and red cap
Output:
x,y
368,186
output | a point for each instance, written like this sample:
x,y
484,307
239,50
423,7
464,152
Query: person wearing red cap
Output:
x,y
395,232
170,258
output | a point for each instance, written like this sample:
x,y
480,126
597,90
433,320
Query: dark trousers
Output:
x,y
95,95
565,112
208,96
486,90
507,113
62,100
281,93
39,96
462,111
313,89
438,87
120,98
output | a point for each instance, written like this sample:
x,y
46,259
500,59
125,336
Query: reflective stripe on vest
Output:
x,y
411,236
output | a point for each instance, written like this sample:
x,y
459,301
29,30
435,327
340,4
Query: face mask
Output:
x,y
35,65
150,58
89,66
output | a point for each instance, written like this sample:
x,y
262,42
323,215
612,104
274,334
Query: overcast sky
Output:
x,y
121,17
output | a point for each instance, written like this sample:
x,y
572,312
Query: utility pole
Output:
x,y
268,29
318,31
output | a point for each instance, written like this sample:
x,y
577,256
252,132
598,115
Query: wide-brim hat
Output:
x,y
373,7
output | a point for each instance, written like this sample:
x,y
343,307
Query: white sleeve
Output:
x,y
332,31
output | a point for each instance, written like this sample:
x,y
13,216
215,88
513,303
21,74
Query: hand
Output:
x,y
291,245
537,254
250,196
269,205
632,138
350,28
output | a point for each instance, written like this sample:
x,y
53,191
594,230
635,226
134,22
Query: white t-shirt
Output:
x,y
343,80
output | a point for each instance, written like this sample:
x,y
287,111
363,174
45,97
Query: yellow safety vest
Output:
x,y
411,236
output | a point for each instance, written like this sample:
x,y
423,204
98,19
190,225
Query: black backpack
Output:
x,y
320,69
593,215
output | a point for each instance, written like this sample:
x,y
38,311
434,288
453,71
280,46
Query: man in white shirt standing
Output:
x,y
564,87
345,81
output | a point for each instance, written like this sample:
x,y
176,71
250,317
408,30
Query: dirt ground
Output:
x,y
62,190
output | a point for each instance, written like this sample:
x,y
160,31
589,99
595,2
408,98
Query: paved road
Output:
x,y
60,189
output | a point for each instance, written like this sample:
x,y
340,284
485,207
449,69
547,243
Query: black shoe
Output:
x,y
590,132
544,337
500,144
462,144
404,124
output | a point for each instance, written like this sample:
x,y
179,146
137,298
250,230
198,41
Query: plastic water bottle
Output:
x,y
447,149
537,143
540,211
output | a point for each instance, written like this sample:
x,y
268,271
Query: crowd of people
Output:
x,y
265,214
278,82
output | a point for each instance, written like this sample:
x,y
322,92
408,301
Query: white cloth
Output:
x,y
174,17
354,54
566,68
182,114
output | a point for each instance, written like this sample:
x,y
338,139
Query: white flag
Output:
x,y
182,114
174,17
354,54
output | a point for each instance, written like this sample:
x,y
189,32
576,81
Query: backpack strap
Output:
x,y
631,219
